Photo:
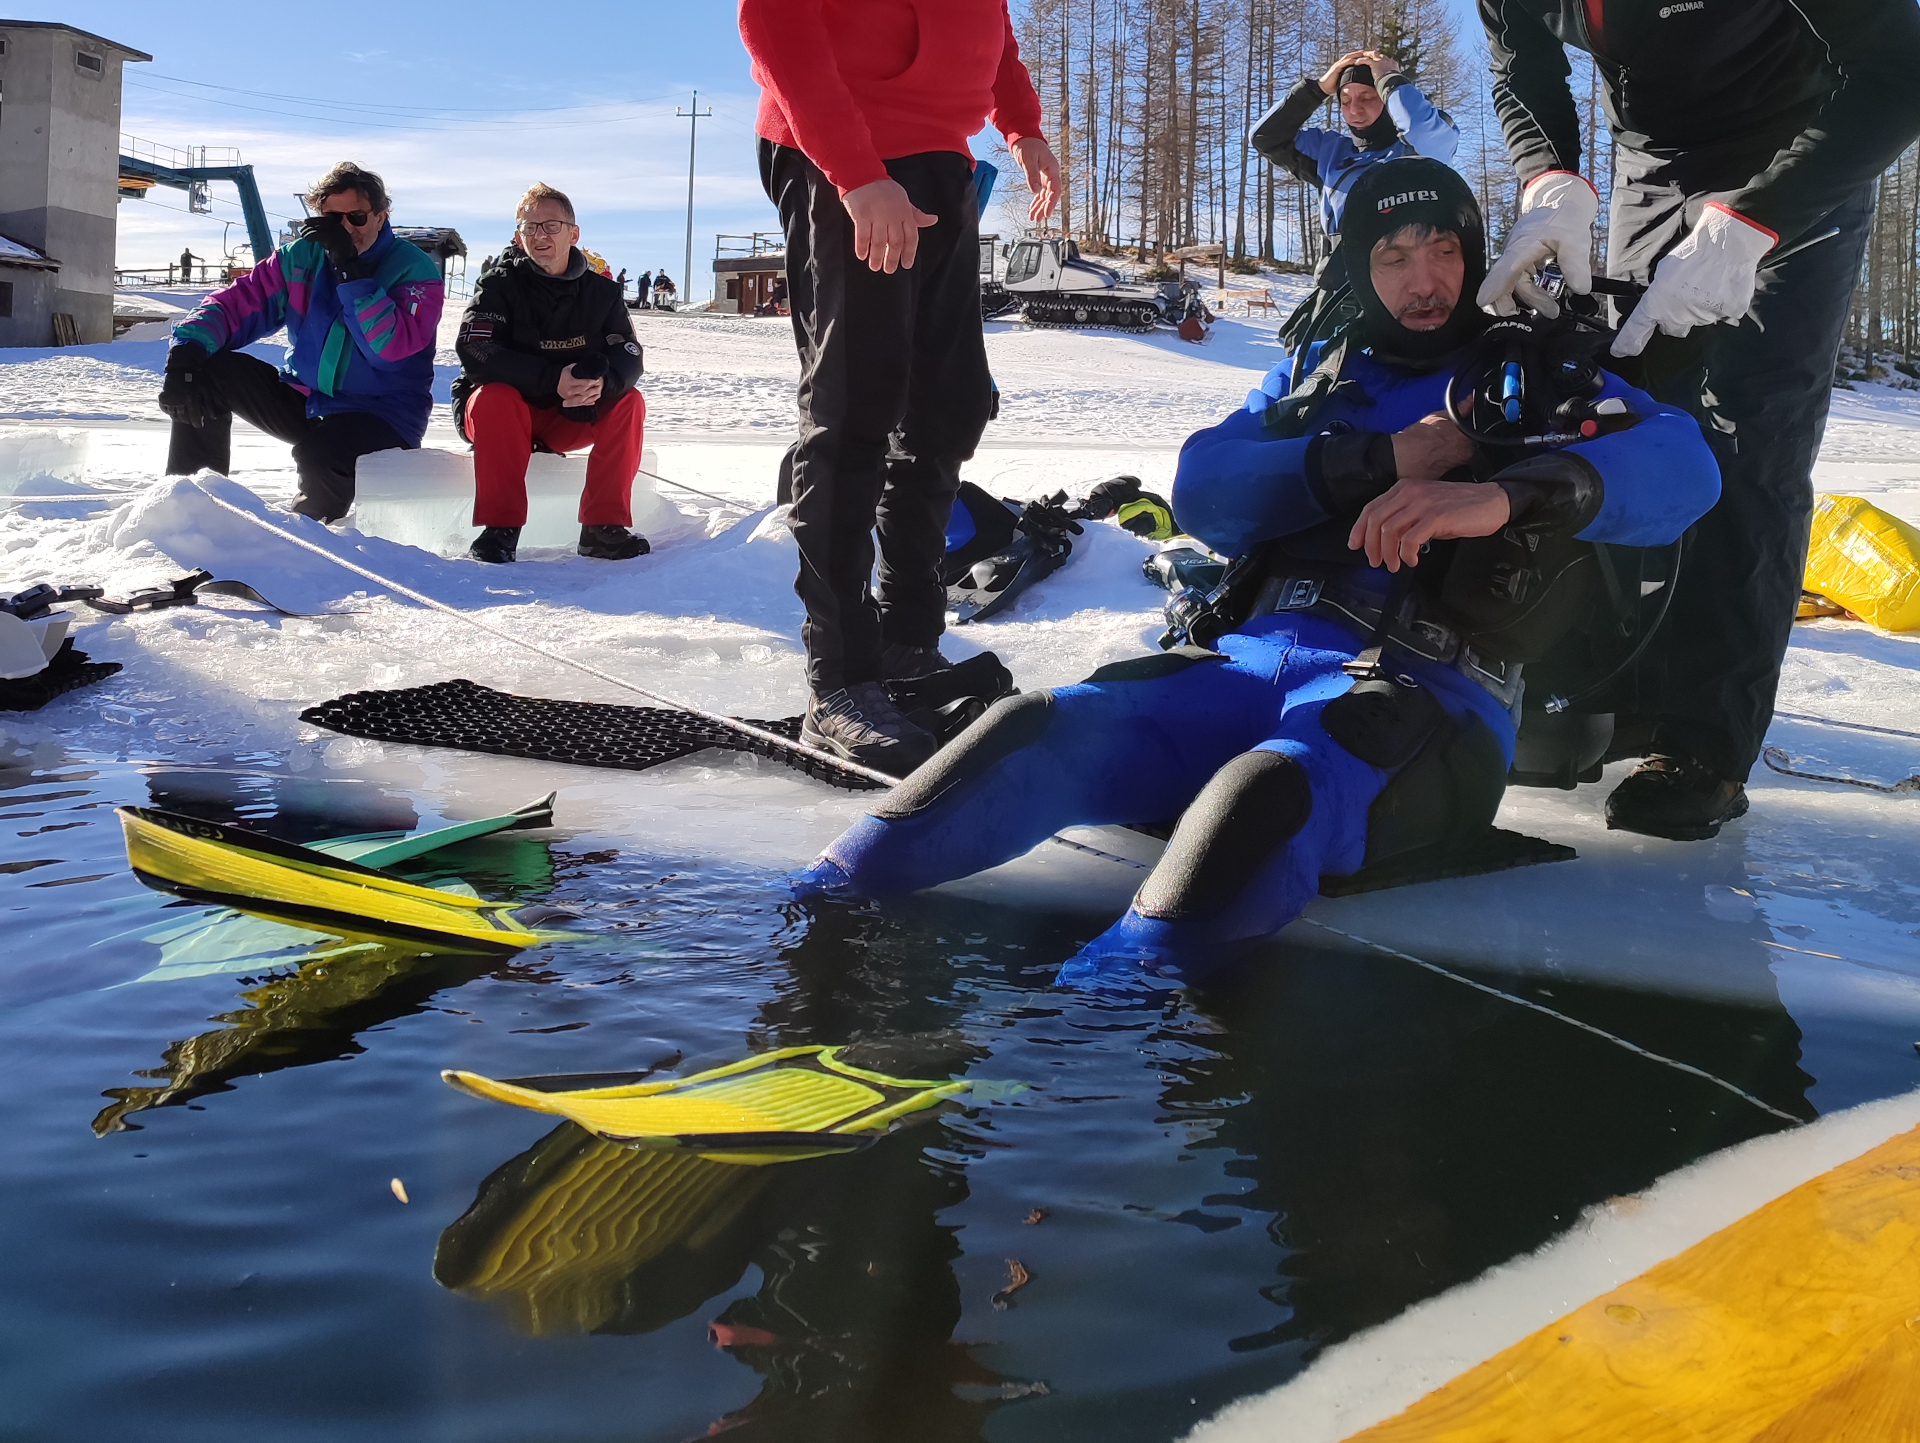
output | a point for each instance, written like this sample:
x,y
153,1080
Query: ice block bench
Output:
x,y
424,498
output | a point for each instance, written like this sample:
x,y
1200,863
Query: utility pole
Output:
x,y
694,116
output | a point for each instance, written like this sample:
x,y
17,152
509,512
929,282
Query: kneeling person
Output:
x,y
361,308
548,356
1371,636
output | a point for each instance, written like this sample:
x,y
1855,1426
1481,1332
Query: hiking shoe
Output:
x,y
496,544
901,661
612,543
861,723
1676,798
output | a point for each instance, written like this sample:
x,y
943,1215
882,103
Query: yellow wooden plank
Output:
x,y
1798,1324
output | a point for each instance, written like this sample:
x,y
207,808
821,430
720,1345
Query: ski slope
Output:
x,y
1819,882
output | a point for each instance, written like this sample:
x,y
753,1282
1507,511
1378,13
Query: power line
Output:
x,y
404,109
418,123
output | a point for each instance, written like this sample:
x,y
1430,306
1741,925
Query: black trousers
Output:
x,y
1760,390
324,448
894,393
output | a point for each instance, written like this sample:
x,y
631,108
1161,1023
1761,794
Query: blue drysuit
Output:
x,y
1329,160
1151,740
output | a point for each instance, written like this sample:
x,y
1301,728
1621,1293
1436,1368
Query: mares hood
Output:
x,y
1383,132
1418,192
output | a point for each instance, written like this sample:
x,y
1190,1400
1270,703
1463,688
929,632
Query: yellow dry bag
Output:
x,y
1866,560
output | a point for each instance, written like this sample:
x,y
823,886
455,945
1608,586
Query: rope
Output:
x,y
1827,721
1780,762
694,490
1587,1027
759,734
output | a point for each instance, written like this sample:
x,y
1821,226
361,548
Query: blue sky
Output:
x,y
459,109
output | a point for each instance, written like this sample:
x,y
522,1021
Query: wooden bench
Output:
x,y
1263,300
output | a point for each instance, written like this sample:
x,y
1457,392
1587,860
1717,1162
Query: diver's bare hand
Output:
x,y
1394,527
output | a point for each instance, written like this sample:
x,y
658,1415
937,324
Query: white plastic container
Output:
x,y
424,498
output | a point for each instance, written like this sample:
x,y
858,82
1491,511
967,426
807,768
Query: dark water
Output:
x,y
1203,1189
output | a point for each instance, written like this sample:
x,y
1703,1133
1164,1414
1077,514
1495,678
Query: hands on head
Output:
x,y
1392,528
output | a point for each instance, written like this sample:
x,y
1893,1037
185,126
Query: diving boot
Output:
x,y
861,723
612,543
902,661
496,544
1676,798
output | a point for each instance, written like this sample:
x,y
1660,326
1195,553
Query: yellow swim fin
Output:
x,y
208,862
796,1102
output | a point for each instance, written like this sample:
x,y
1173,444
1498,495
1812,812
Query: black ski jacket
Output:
x,y
1780,109
524,327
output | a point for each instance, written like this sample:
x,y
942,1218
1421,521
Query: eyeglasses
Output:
x,y
543,227
351,217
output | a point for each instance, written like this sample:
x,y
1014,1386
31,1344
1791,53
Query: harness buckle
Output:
x,y
1298,593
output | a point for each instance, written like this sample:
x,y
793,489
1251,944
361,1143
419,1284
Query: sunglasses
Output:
x,y
543,227
351,217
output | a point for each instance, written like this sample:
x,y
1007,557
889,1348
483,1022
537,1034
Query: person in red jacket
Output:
x,y
865,110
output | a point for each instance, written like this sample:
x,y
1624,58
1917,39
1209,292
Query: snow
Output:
x,y
1822,877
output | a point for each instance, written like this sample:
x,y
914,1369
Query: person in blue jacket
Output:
x,y
1388,117
1389,566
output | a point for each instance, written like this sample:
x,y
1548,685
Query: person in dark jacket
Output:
x,y
548,355
1738,130
360,307
643,290
1368,646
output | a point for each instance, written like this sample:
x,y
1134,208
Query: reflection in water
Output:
x,y
1415,1133
850,1327
309,1016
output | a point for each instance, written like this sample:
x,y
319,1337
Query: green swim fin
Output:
x,y
386,849
796,1102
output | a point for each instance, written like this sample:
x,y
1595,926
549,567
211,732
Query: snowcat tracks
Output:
x,y
474,718
1137,319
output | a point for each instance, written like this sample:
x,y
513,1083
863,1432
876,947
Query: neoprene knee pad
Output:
x,y
1011,723
1254,806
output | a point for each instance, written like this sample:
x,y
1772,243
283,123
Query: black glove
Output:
x,y
588,368
331,232
185,396
1108,497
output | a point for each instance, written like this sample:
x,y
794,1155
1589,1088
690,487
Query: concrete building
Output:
x,y
59,172
745,270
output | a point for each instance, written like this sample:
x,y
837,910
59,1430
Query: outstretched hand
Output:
x,y
886,225
1394,527
1042,170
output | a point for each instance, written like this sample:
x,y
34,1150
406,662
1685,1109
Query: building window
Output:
x,y
3,47
6,300
92,64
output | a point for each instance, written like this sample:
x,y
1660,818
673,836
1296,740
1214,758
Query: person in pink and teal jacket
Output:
x,y
361,308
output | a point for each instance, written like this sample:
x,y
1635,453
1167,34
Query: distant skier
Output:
x,y
548,355
865,111
1353,657
360,307
1737,129
187,258
1388,118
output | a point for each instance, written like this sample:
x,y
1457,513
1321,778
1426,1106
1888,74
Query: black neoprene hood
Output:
x,y
1383,132
1413,191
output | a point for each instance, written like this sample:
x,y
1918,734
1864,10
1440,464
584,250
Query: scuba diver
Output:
x,y
1389,118
1391,575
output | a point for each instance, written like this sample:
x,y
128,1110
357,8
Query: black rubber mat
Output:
x,y
68,671
475,718
1494,850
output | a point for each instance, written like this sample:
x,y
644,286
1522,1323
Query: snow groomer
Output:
x,y
548,355
1740,133
1350,689
1388,117
361,308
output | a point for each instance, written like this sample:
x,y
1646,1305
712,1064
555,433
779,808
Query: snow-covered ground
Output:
x,y
1822,877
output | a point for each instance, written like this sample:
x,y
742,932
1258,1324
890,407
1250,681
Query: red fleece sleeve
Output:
x,y
1016,108
787,40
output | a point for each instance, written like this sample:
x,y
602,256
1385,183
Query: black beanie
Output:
x,y
1389,197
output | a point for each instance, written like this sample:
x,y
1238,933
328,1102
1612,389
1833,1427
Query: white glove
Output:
x,y
1708,277
1557,212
